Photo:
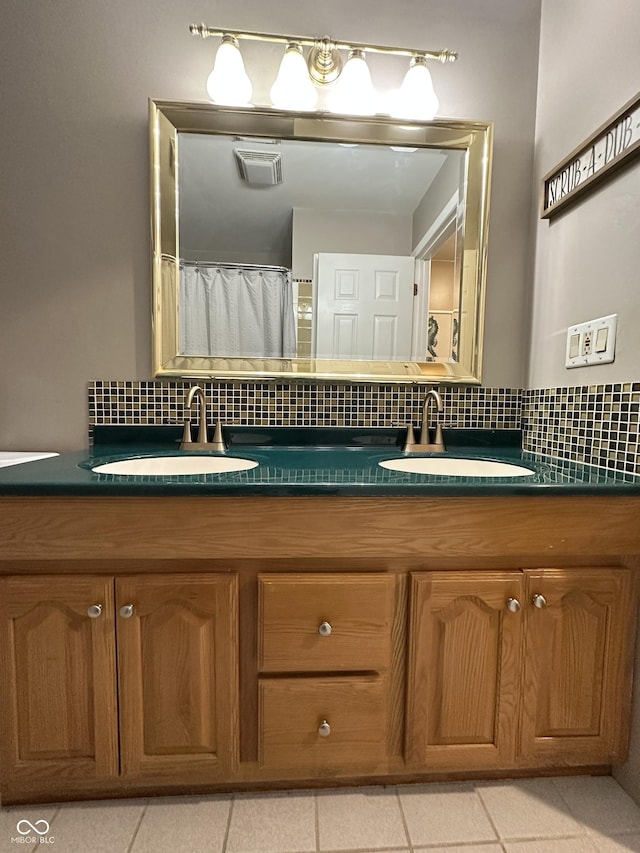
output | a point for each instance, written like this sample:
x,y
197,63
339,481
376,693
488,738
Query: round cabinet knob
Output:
x,y
324,729
325,629
513,605
126,611
539,601
94,611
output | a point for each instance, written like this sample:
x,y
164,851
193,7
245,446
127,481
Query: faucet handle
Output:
x,y
410,439
186,433
218,442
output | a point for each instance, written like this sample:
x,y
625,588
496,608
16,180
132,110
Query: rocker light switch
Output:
x,y
574,346
601,339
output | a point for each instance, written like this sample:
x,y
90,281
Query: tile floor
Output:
x,y
565,815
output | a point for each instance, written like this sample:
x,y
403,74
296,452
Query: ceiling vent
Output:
x,y
259,168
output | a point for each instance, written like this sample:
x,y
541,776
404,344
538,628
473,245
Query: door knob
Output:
x,y
126,611
539,601
513,605
325,629
94,611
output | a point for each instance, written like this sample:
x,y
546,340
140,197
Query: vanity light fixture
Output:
x,y
228,84
294,86
293,89
354,93
416,97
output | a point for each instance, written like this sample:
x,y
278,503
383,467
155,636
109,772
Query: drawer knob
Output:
x,y
539,601
513,605
94,611
324,729
126,611
325,629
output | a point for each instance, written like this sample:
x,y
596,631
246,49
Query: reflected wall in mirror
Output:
x,y
317,246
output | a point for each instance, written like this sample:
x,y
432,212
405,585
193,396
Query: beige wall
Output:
x,y
354,232
74,218
445,184
587,259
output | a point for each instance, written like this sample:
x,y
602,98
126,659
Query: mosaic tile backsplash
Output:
x,y
299,404
592,424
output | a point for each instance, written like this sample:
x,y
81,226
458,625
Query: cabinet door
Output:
x,y
58,701
464,661
177,675
578,664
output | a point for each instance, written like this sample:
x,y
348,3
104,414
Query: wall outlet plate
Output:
x,y
593,342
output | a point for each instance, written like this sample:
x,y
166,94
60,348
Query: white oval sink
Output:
x,y
445,466
163,466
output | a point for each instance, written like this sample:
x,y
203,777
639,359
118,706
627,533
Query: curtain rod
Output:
x,y
231,265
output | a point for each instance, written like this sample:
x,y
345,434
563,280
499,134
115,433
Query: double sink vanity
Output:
x,y
274,607
303,608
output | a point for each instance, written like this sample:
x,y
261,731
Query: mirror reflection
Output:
x,y
318,250
317,246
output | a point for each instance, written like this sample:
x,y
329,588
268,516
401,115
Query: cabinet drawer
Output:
x,y
323,722
324,622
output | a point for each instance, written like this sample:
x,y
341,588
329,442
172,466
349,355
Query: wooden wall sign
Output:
x,y
613,145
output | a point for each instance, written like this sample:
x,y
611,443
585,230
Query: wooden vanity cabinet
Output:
x,y
520,669
209,643
324,654
134,677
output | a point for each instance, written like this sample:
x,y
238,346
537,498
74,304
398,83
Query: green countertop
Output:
x,y
308,461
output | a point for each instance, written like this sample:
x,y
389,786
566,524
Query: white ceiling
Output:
x,y
217,208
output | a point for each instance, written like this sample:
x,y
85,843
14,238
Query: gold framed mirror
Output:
x,y
317,247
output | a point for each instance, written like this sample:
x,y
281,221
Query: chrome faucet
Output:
x,y
202,443
426,443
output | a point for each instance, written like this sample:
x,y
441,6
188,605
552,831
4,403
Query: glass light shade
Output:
x,y
228,83
293,89
354,93
416,97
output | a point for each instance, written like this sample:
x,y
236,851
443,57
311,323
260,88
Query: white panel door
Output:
x,y
363,306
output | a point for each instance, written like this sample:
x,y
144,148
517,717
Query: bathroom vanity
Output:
x,y
204,634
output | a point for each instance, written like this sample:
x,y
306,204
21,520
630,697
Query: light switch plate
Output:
x,y
593,342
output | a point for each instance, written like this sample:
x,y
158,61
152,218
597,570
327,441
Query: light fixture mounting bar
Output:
x,y
440,55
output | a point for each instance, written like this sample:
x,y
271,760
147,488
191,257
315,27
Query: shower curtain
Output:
x,y
236,312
